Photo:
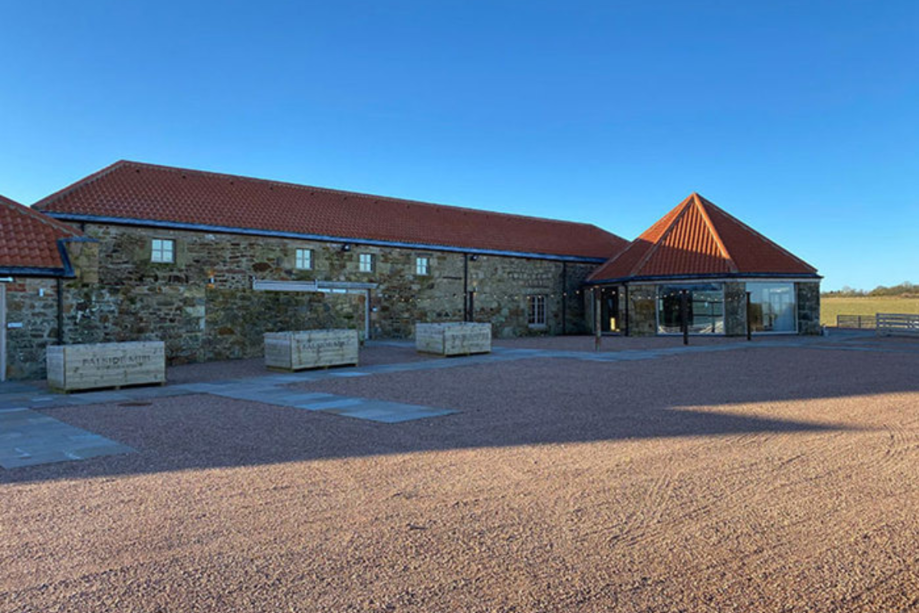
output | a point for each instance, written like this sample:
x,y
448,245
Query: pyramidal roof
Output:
x,y
29,239
697,238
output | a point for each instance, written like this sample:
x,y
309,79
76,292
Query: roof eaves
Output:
x,y
709,276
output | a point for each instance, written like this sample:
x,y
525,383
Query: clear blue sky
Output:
x,y
800,118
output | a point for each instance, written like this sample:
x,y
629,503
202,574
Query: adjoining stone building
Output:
x,y
701,251
36,259
209,262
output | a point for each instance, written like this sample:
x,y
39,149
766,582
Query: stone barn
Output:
x,y
717,261
207,263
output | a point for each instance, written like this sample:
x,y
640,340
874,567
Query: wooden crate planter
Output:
x,y
458,338
102,365
311,349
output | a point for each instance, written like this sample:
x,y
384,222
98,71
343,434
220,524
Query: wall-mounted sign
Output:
x,y
13,325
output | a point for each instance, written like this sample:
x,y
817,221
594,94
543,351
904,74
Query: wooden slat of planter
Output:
x,y
311,349
455,338
101,365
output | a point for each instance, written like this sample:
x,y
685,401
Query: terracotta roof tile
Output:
x,y
698,238
149,192
29,239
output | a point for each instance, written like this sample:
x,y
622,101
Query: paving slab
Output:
x,y
31,438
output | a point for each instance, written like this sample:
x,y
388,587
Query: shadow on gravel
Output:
x,y
522,402
201,432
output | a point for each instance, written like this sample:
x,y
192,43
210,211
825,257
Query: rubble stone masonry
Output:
x,y
204,308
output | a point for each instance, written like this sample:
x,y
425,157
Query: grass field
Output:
x,y
831,307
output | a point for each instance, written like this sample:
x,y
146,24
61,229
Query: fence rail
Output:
x,y
856,321
897,324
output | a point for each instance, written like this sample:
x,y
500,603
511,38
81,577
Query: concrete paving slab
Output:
x,y
35,438
331,405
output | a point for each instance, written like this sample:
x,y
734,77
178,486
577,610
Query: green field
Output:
x,y
831,307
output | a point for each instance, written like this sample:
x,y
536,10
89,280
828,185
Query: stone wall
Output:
x,y
808,299
31,302
204,308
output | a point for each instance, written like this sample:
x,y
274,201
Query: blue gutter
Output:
x,y
32,271
174,225
733,275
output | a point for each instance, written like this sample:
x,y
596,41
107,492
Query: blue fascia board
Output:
x,y
174,225
32,271
693,277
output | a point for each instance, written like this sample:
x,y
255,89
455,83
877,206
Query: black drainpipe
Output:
x,y
564,297
628,320
60,311
465,287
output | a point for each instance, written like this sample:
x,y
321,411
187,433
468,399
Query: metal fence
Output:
x,y
856,321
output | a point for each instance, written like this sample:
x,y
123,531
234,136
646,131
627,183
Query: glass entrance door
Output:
x,y
609,309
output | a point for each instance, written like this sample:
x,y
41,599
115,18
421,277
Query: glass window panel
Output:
x,y
421,266
162,250
704,308
366,262
304,259
772,307
536,310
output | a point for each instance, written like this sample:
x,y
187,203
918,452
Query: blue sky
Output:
x,y
800,118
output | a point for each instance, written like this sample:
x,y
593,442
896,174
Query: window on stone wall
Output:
x,y
536,310
422,266
163,250
304,259
366,262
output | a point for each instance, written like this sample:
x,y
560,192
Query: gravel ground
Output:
x,y
370,355
750,480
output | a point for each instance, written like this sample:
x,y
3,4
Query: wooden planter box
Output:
x,y
100,365
459,338
310,349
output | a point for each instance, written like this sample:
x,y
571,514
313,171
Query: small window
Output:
x,y
536,310
163,250
304,259
422,266
366,262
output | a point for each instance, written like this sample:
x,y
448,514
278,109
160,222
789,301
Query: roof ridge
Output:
x,y
714,231
301,186
39,216
759,235
39,205
656,244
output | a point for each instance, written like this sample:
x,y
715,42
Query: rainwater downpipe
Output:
x,y
60,311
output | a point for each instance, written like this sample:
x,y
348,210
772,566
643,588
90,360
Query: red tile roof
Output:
x,y
698,238
29,239
158,193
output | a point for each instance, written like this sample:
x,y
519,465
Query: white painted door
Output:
x,y
2,332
